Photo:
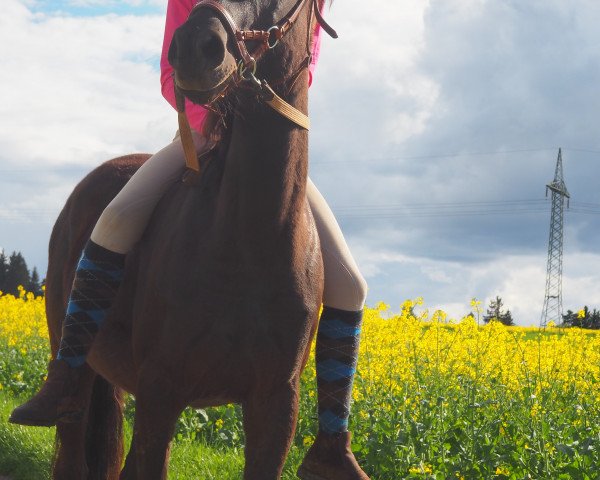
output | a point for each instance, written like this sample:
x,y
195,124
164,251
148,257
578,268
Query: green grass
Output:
x,y
25,453
433,402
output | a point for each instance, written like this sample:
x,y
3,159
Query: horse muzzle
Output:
x,y
201,62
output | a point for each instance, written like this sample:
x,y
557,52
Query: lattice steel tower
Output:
x,y
552,310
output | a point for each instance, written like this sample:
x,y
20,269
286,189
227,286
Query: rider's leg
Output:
x,y
97,280
338,336
124,219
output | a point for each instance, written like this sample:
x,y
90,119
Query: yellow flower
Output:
x,y
421,469
403,354
502,471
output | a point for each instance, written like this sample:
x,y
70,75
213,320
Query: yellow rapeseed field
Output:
x,y
401,350
22,318
433,397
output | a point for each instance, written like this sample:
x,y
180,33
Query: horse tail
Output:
x,y
104,434
92,449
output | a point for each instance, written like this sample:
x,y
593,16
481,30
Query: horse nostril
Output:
x,y
198,48
211,49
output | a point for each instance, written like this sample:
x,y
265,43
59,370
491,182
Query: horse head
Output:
x,y
221,44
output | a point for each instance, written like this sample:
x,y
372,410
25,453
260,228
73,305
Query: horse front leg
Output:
x,y
156,412
269,423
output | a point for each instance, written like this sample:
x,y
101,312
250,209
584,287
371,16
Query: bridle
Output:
x,y
268,38
247,64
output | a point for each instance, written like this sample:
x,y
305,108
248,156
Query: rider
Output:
x,y
100,271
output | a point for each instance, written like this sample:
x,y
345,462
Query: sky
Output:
x,y
435,129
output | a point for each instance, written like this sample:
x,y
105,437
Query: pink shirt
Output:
x,y
177,13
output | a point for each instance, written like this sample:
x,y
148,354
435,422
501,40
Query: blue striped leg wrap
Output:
x,y
97,280
338,339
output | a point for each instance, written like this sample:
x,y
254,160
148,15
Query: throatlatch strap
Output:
x,y
185,134
283,108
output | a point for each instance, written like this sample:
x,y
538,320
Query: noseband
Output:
x,y
247,61
268,38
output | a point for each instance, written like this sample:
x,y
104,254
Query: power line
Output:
x,y
73,169
429,156
510,207
396,210
582,150
368,160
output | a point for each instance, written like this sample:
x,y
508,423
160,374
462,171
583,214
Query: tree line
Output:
x,y
14,272
584,318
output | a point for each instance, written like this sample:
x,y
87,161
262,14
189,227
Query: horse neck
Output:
x,y
263,191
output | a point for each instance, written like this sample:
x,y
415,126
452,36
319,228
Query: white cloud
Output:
x,y
81,89
370,73
75,91
411,79
518,279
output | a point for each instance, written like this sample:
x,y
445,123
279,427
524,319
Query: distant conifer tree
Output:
x,y
34,283
16,274
495,312
3,270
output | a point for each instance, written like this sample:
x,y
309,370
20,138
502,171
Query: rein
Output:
x,y
247,63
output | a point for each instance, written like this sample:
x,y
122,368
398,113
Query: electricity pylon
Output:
x,y
552,310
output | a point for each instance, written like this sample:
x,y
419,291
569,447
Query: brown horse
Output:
x,y
221,296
